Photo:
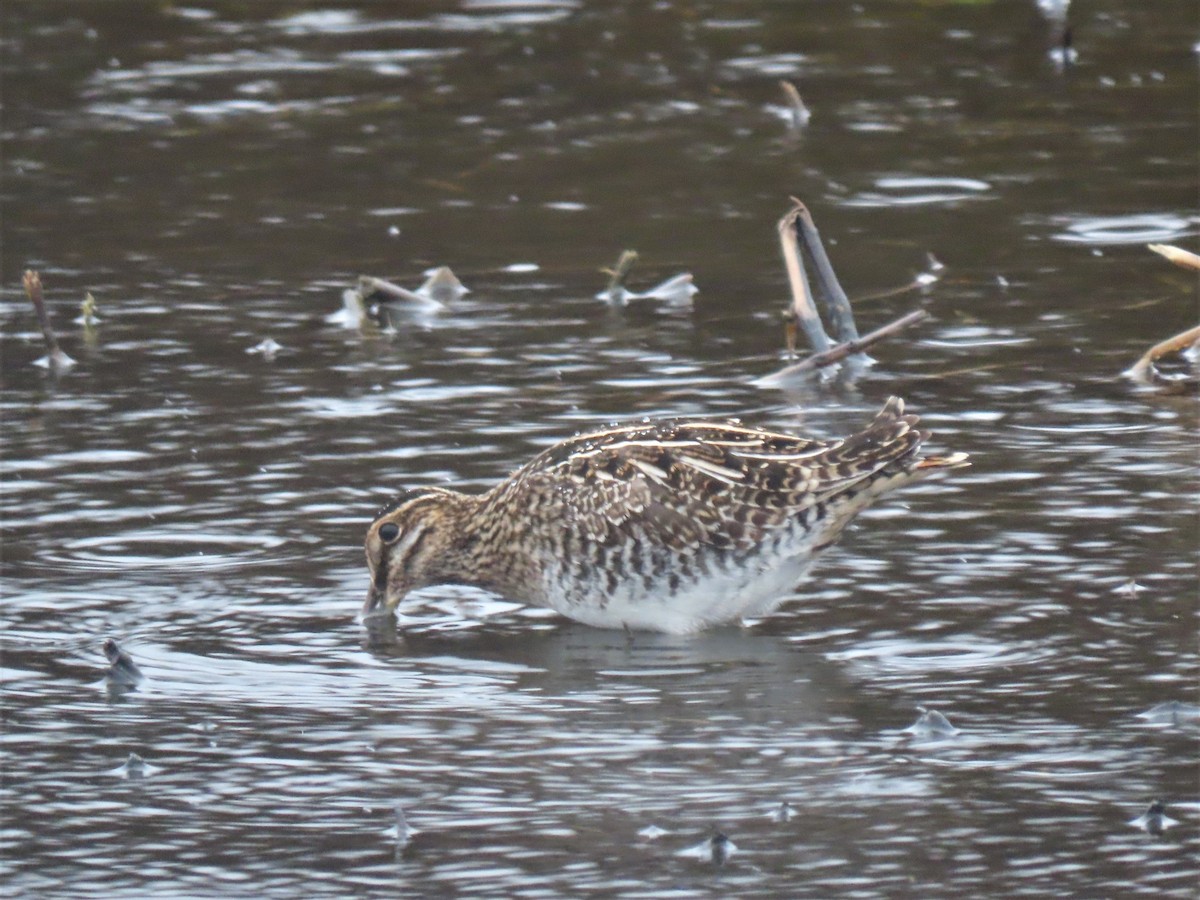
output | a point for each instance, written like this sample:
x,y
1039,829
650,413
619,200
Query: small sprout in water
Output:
x,y
353,312
122,670
442,285
721,848
676,290
1054,9
133,769
136,768
716,849
615,292
798,114
932,273
931,724
402,831
268,348
1063,53
652,832
1130,589
1155,819
1173,712
87,312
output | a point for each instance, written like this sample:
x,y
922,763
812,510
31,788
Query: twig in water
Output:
x,y
618,273
443,286
890,292
800,113
55,358
1144,371
372,288
1177,255
840,351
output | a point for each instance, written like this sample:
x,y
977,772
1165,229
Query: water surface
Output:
x,y
217,174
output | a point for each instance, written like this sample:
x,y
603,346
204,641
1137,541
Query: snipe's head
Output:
x,y
414,542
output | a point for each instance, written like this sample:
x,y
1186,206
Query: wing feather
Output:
x,y
692,483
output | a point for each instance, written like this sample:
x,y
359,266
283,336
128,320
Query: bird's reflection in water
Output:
x,y
756,677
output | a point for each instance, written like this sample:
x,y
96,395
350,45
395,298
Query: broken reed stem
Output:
x,y
1144,371
32,282
618,272
890,292
841,317
800,113
1177,255
859,345
803,308
369,285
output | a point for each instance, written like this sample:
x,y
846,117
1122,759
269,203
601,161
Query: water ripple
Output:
x,y
1141,228
912,190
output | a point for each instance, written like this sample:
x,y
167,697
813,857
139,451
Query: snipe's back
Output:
x,y
663,525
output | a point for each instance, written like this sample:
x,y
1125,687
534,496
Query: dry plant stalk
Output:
x,y
837,304
800,112
618,273
32,282
797,227
803,310
840,351
1144,370
369,285
1177,255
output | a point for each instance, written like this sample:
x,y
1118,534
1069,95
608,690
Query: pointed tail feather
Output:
x,y
953,461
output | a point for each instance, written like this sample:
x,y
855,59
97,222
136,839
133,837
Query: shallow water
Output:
x,y
216,175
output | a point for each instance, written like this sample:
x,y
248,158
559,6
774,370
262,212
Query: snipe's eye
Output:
x,y
388,532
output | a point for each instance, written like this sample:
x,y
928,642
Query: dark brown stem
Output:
x,y
370,286
32,283
58,361
841,317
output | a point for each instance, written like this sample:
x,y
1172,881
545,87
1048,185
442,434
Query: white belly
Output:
x,y
724,596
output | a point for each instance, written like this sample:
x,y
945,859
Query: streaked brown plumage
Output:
x,y
663,525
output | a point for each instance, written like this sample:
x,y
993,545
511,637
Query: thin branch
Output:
x,y
800,112
890,292
1177,255
1144,370
841,351
383,292
618,273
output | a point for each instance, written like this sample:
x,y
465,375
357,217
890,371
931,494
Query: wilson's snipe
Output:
x,y
670,525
